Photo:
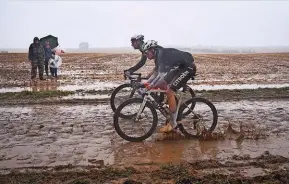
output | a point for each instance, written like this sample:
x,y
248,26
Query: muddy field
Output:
x,y
87,69
61,131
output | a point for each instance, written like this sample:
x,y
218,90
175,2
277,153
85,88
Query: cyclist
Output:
x,y
174,69
136,42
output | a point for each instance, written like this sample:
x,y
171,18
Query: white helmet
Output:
x,y
137,37
149,44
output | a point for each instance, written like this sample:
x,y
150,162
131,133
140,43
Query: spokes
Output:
x,y
201,117
137,125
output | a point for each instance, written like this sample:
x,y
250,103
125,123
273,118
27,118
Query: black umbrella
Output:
x,y
53,41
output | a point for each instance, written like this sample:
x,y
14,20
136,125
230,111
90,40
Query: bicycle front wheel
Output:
x,y
120,94
125,92
203,117
135,129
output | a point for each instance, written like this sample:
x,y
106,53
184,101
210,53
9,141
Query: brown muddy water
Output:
x,y
101,86
49,135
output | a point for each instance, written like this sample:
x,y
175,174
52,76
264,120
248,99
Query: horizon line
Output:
x,y
199,45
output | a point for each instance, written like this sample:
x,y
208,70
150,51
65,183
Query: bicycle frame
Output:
x,y
134,78
165,112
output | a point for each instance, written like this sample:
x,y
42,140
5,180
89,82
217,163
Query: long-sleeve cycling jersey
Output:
x,y
139,64
142,62
169,58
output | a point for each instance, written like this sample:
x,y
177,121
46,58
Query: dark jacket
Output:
x,y
36,52
48,53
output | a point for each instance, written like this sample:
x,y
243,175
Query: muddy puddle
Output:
x,y
59,85
14,89
108,86
48,135
85,96
97,86
237,86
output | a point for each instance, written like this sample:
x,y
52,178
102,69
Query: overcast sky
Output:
x,y
112,23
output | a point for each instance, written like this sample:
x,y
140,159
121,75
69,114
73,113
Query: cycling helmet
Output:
x,y
149,44
137,37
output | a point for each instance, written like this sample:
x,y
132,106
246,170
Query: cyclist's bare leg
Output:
x,y
162,84
172,106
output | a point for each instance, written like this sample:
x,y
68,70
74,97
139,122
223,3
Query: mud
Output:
x,y
213,69
61,130
50,135
166,173
93,96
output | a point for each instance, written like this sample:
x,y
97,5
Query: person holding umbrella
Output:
x,y
50,43
36,56
48,53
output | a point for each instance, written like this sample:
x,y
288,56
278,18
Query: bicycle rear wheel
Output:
x,y
202,117
191,94
128,128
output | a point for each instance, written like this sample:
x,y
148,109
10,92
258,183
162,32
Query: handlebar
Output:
x,y
134,77
130,76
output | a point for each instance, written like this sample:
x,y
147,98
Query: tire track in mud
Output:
x,y
49,135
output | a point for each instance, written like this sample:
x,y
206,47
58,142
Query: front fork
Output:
x,y
141,107
145,99
132,93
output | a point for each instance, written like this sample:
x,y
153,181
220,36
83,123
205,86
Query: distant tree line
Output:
x,y
3,51
208,50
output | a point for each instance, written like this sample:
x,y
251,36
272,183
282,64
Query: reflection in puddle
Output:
x,y
237,86
14,89
98,96
83,72
97,86
193,150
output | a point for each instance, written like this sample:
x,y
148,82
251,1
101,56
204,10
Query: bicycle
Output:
x,y
135,77
131,91
152,105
